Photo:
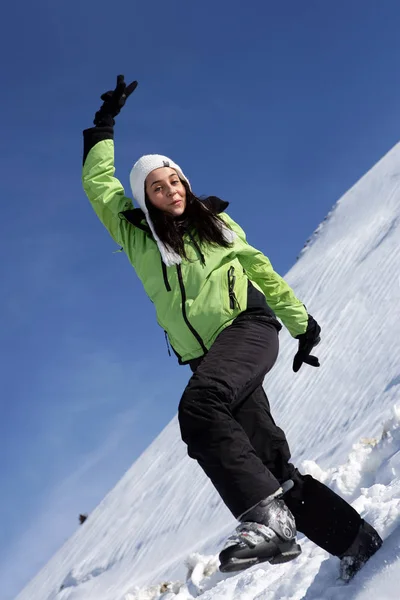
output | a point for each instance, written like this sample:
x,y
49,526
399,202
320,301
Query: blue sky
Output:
x,y
277,107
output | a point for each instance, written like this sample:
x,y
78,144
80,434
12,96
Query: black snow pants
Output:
x,y
226,422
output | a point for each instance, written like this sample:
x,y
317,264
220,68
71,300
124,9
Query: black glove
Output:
x,y
113,101
307,341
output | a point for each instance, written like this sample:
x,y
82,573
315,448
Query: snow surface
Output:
x,y
158,532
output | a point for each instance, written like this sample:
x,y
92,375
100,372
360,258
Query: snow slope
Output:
x,y
164,521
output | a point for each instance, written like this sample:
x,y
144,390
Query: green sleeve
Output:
x,y
279,295
105,192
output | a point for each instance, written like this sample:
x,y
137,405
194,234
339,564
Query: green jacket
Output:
x,y
196,300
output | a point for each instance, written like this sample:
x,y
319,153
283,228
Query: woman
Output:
x,y
217,299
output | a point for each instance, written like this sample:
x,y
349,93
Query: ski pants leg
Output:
x,y
226,422
267,439
320,514
226,378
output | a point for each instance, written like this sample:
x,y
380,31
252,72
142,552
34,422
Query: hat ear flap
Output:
x,y
147,201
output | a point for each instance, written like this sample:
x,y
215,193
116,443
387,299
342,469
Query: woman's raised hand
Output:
x,y
113,101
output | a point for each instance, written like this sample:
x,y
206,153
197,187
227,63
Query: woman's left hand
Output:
x,y
307,341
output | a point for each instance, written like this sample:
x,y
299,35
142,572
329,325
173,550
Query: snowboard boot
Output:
x,y
267,532
366,543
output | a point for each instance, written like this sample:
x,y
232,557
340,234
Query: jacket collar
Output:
x,y
215,205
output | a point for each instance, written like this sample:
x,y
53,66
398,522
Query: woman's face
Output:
x,y
166,191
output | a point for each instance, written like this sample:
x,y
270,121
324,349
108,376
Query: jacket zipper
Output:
x,y
185,318
170,347
233,301
167,342
165,276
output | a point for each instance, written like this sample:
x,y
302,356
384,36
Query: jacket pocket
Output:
x,y
233,301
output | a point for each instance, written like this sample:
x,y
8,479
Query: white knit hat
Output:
x,y
145,165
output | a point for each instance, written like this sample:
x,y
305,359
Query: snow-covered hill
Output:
x,y
164,521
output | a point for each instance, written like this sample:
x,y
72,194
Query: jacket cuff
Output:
x,y
93,136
